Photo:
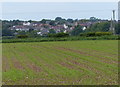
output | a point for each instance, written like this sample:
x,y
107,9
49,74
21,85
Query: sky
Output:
x,y
59,0
51,10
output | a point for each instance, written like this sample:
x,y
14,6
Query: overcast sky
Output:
x,y
51,10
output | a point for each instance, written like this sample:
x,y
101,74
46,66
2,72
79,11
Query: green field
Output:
x,y
86,62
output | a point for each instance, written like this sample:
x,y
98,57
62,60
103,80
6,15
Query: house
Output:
x,y
65,26
26,23
84,28
39,33
19,28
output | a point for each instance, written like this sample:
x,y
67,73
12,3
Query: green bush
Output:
x,y
58,35
91,34
102,33
22,36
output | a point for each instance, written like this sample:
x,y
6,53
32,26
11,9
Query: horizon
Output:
x,y
50,10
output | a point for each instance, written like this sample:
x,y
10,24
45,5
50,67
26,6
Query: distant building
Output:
x,y
26,23
119,11
84,28
39,33
19,28
65,26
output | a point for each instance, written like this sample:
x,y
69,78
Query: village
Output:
x,y
44,26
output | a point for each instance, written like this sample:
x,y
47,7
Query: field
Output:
x,y
86,62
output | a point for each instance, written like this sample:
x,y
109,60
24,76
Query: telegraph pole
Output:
x,y
112,26
113,15
113,22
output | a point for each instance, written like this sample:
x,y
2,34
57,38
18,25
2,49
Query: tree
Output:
x,y
22,33
99,27
7,32
5,29
15,22
43,21
58,19
32,34
76,31
52,31
117,28
30,21
70,20
52,23
93,19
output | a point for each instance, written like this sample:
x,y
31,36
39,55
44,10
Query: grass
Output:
x,y
86,62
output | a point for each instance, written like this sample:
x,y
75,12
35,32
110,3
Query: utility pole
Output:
x,y
113,15
119,11
114,22
112,26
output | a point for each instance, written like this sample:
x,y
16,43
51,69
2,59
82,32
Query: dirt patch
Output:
x,y
17,64
67,65
68,49
34,67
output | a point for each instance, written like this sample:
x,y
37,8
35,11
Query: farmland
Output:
x,y
86,62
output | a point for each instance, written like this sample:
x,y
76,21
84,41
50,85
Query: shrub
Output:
x,y
58,35
102,33
88,34
91,34
22,36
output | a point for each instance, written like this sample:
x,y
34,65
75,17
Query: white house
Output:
x,y
39,33
84,28
65,26
26,23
